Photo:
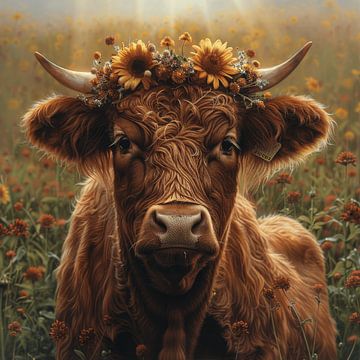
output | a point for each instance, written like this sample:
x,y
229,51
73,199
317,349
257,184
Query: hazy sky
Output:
x,y
46,9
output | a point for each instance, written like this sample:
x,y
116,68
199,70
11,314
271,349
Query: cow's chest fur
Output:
x,y
210,346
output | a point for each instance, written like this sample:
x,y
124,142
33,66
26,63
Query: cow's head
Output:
x,y
177,158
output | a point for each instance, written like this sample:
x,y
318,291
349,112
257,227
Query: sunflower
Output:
x,y
214,62
133,64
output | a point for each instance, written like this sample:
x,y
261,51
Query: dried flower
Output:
x,y
23,294
162,72
318,288
141,350
19,228
214,62
282,283
260,104
353,281
86,336
293,197
14,328
10,254
234,87
18,206
326,245
58,330
185,37
4,194
178,76
34,273
250,53
97,55
46,221
241,81
240,328
284,178
167,41
351,212
131,64
109,40
355,318
346,158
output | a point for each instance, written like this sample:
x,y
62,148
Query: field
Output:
x,y
37,194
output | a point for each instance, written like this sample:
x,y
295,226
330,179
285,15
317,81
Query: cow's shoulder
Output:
x,y
288,237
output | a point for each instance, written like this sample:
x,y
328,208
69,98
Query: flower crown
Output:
x,y
141,65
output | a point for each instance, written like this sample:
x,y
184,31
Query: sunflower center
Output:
x,y
212,63
138,67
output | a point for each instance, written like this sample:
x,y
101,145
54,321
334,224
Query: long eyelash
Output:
x,y
235,143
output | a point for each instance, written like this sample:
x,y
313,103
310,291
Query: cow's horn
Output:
x,y
75,80
278,73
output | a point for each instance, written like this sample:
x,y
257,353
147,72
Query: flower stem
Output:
x,y
2,341
351,351
276,338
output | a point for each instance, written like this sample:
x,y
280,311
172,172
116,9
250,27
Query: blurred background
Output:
x,y
37,194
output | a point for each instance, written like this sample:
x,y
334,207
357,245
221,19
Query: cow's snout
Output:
x,y
179,226
183,226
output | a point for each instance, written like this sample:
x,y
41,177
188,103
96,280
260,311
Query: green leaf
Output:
x,y
80,354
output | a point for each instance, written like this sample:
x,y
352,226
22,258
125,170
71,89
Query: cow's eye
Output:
x,y
228,145
124,143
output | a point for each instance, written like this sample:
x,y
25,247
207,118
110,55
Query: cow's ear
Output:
x,y
285,131
68,129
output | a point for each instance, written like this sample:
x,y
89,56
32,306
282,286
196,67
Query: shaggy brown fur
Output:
x,y
175,156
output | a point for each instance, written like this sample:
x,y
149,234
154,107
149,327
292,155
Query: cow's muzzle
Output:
x,y
177,240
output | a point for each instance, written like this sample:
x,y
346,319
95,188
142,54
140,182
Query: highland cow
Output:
x,y
165,256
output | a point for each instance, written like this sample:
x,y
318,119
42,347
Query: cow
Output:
x,y
165,257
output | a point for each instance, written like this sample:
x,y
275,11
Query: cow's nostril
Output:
x,y
158,223
198,223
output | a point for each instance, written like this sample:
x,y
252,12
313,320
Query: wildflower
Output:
x,y
349,136
19,228
214,61
86,336
351,212
320,160
312,84
284,178
162,72
46,221
10,254
3,230
326,245
4,194
21,311
141,350
151,47
234,87
61,222
341,113
282,283
260,104
346,158
240,328
58,330
167,41
23,294
109,40
18,206
241,82
256,63
293,197
353,281
131,63
14,328
185,37
355,318
351,172
352,339
97,55
34,273
178,76
25,152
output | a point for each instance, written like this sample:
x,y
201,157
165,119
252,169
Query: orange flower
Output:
x,y
240,328
185,37
19,228
18,206
346,158
14,328
167,41
351,212
341,113
46,221
214,62
284,178
86,336
58,330
313,84
34,273
10,254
